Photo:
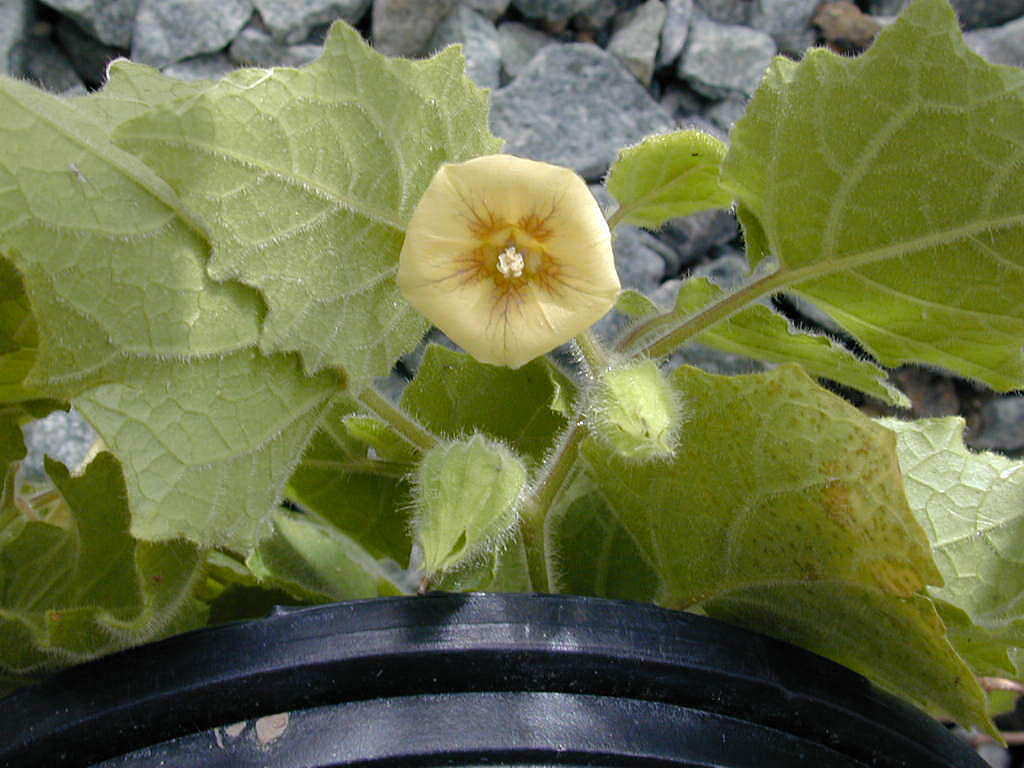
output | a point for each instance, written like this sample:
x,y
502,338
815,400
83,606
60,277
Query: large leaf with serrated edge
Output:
x,y
907,228
74,584
307,178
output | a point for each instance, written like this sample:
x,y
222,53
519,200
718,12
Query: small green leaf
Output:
x,y
453,394
592,551
75,585
307,179
466,501
380,437
760,333
365,498
887,186
898,642
314,561
666,177
635,304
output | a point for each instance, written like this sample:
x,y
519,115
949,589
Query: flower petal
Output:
x,y
477,217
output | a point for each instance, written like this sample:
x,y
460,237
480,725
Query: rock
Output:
x,y
109,21
681,101
552,10
45,64
479,40
254,47
492,9
15,17
847,28
727,11
689,240
208,66
404,27
1000,45
167,31
788,22
1002,425
575,105
292,21
675,30
726,113
519,44
87,55
723,60
975,14
635,39
64,436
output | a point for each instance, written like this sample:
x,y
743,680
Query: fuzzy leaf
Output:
x,y
773,479
898,642
314,561
113,263
453,394
364,498
907,227
307,178
668,176
207,448
74,584
972,507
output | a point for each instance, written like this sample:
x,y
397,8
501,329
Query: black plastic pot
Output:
x,y
470,679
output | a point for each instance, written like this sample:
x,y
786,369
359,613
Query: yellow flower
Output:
x,y
509,257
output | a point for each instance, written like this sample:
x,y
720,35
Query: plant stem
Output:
x,y
670,331
592,352
403,424
616,218
535,512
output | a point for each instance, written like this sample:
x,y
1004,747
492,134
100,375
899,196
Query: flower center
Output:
x,y
511,263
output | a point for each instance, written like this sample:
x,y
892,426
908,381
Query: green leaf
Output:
x,y
208,447
453,394
888,187
379,436
666,177
592,551
132,89
365,498
760,333
774,480
113,263
635,304
504,569
898,642
75,585
314,561
467,494
307,178
972,507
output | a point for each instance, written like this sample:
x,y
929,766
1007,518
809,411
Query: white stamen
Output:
x,y
511,263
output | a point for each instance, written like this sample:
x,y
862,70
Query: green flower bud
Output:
x,y
636,412
466,501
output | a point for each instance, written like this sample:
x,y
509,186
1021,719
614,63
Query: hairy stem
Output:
x,y
663,334
592,351
535,512
404,425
